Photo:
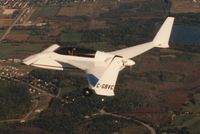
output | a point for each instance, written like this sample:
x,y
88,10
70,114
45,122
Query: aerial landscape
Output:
x,y
160,94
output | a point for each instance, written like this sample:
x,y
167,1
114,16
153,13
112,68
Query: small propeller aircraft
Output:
x,y
102,68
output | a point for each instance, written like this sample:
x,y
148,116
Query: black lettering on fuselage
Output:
x,y
105,86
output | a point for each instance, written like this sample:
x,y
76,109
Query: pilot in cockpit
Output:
x,y
71,51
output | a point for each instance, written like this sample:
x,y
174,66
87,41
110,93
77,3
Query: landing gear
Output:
x,y
87,92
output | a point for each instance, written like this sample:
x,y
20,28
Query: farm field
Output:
x,y
87,9
179,6
6,22
19,50
44,12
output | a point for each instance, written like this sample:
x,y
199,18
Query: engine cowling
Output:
x,y
128,62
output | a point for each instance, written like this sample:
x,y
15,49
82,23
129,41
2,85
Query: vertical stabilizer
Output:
x,y
162,37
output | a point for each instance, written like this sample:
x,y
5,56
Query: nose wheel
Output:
x,y
87,92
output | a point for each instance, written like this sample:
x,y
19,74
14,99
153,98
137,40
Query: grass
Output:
x,y
66,90
2,32
193,107
73,37
20,31
13,50
45,12
192,122
101,46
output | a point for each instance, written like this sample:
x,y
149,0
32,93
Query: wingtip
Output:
x,y
170,18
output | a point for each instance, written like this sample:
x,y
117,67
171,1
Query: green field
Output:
x,y
101,46
2,32
189,119
21,31
192,122
45,12
15,99
73,37
8,50
193,107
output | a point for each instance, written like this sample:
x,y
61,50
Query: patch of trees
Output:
x,y
66,115
37,32
175,130
195,48
124,101
57,77
130,32
124,32
49,75
187,18
62,117
94,36
14,99
8,129
106,124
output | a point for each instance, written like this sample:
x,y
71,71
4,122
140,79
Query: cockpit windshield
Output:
x,y
75,51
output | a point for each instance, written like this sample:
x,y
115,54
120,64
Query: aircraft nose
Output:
x,y
31,59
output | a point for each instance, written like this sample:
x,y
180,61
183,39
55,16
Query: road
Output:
x,y
10,120
29,113
102,113
13,24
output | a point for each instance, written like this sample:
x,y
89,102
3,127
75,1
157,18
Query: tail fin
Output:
x,y
106,85
162,37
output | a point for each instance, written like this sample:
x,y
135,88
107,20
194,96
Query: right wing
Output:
x,y
103,80
161,40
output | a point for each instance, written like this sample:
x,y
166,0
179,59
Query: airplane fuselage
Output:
x,y
101,68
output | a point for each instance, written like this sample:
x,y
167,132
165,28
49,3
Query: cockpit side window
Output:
x,y
75,51
62,50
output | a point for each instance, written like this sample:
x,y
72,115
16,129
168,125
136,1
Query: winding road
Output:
x,y
103,112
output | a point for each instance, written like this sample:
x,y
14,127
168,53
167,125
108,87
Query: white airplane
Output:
x,y
102,68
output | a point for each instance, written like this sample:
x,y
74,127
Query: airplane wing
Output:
x,y
102,70
103,80
161,40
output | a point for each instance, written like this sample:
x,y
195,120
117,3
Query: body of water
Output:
x,y
182,34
